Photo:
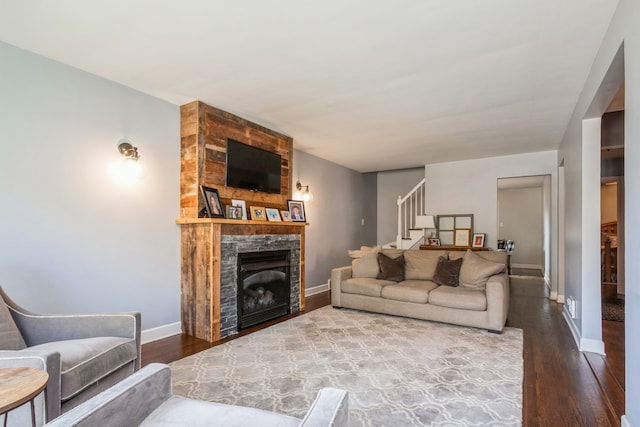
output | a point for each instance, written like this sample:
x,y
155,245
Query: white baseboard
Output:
x,y
560,299
553,296
316,289
527,266
625,421
160,332
583,344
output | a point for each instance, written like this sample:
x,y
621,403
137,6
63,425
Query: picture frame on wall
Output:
x,y
296,210
478,240
462,237
212,202
257,213
273,215
242,205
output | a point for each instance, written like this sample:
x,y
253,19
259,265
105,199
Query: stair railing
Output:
x,y
409,207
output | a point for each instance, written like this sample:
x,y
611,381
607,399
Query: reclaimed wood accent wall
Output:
x,y
204,131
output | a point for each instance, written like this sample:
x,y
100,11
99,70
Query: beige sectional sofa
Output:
x,y
477,296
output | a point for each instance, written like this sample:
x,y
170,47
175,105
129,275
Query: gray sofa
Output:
x,y
479,297
83,354
145,399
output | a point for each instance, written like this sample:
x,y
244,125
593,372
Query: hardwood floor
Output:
x,y
559,385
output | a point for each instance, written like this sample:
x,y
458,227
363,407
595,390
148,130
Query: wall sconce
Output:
x,y
128,150
303,192
425,222
130,166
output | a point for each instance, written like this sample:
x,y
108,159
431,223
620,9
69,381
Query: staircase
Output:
x,y
409,207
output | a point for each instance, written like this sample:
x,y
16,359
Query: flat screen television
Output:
x,y
252,168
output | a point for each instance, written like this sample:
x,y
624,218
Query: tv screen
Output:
x,y
252,168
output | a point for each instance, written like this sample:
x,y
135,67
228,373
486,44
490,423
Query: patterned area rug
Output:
x,y
613,309
399,372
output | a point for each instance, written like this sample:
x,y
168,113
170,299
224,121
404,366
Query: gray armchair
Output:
x,y
145,399
83,354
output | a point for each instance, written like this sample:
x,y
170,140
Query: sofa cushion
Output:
x,y
364,286
391,268
180,411
410,290
10,336
366,265
496,256
475,270
447,271
85,361
420,265
459,297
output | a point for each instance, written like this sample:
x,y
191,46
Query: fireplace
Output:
x,y
264,286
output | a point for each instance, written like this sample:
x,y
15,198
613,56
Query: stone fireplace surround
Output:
x,y
230,247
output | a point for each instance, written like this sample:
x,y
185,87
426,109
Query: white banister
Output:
x,y
409,207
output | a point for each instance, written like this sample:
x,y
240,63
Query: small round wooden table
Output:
x,y
19,386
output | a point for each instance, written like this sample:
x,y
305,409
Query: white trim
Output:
x,y
583,344
316,289
160,332
560,299
624,421
572,326
527,266
592,346
553,295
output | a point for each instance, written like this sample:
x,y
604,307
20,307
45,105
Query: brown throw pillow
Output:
x,y
447,271
391,268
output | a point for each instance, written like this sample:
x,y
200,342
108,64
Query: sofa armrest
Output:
x,y
49,362
127,403
497,301
337,276
330,409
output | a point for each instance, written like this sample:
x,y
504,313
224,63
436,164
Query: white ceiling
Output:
x,y
369,84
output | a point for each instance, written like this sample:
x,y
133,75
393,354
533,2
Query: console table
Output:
x,y
19,386
451,248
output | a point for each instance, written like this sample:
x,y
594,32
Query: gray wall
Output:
x,y
392,184
342,198
577,153
72,238
520,219
75,240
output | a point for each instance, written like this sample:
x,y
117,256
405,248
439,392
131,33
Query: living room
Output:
x,y
76,239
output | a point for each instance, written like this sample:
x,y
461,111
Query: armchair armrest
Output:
x,y
337,276
49,362
497,301
127,403
330,409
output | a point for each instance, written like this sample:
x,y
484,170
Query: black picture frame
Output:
x,y
296,209
212,202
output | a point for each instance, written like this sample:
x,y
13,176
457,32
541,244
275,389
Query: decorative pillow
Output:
x,y
447,271
475,270
10,336
366,265
420,265
391,268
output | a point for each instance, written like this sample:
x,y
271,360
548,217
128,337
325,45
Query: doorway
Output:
x,y
524,217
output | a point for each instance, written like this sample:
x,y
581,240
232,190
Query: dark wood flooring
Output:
x,y
560,386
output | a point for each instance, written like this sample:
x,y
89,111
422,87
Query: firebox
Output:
x,y
264,286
